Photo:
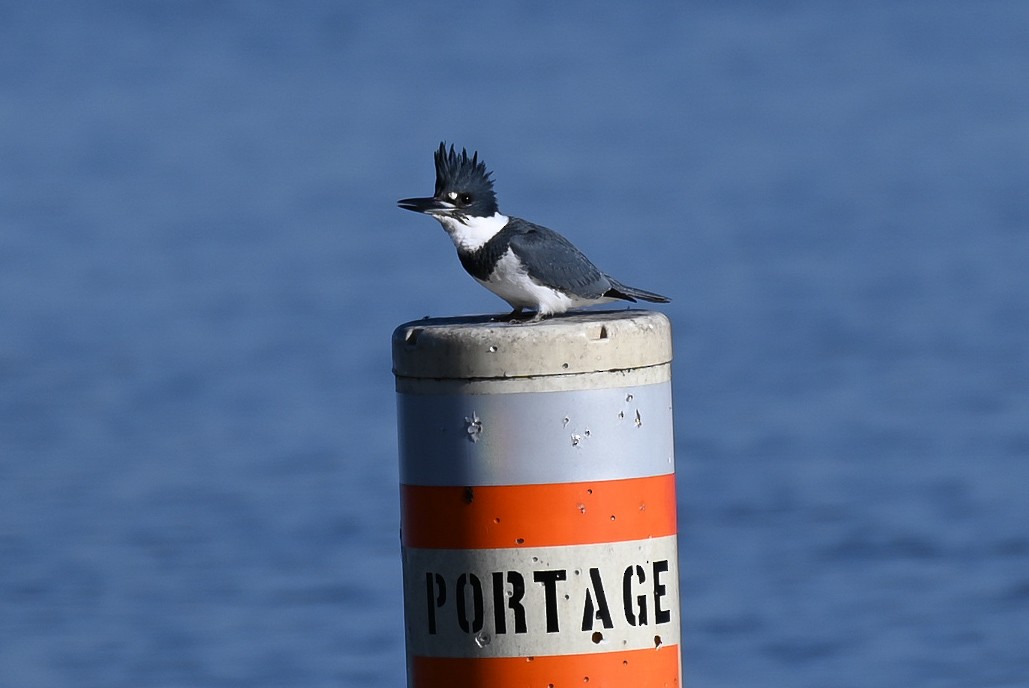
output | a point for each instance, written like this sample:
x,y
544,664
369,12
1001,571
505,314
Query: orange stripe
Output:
x,y
631,669
501,516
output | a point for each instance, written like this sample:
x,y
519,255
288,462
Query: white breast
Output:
x,y
511,282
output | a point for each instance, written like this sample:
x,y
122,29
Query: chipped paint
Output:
x,y
473,426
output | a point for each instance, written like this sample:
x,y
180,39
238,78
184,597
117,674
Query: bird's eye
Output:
x,y
466,199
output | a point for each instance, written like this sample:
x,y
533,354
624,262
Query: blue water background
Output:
x,y
201,264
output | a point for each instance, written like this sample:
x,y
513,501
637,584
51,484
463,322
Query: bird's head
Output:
x,y
463,188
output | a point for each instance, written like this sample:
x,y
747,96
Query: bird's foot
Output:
x,y
513,316
518,317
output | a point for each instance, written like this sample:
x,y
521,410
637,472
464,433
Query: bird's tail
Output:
x,y
622,291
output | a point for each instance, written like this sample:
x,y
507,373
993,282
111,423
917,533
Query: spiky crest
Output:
x,y
459,172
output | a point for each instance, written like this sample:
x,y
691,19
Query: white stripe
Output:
x,y
474,231
451,611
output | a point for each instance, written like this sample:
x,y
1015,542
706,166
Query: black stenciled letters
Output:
x,y
549,581
435,596
501,602
590,611
660,615
472,581
641,600
516,608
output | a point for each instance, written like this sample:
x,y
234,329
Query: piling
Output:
x,y
538,512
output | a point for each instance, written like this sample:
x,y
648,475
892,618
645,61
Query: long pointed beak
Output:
x,y
425,205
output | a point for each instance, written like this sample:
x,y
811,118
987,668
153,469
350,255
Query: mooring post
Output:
x,y
538,527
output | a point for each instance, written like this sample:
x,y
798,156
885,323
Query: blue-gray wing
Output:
x,y
553,261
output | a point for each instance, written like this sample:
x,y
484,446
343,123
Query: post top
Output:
x,y
475,347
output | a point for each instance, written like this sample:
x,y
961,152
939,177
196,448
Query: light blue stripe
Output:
x,y
536,437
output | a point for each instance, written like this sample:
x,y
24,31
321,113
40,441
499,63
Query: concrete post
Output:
x,y
538,504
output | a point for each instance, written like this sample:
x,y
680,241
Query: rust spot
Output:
x,y
597,637
519,541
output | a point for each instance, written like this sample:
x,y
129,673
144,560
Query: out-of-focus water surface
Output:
x,y
201,263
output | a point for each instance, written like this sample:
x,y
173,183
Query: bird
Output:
x,y
528,265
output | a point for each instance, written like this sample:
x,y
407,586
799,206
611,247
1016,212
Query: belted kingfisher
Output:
x,y
527,265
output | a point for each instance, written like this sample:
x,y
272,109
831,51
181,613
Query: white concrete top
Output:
x,y
476,348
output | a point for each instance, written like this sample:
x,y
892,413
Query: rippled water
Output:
x,y
201,264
